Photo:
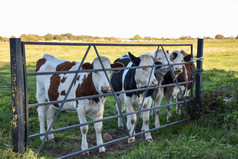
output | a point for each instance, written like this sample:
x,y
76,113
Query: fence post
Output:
x,y
17,95
199,77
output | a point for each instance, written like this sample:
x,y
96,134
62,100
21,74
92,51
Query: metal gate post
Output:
x,y
17,95
199,77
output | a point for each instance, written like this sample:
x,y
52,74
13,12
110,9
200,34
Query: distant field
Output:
x,y
218,54
220,65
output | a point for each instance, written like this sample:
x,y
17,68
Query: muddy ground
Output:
x,y
74,145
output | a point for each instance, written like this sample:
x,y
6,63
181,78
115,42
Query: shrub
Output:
x,y
219,36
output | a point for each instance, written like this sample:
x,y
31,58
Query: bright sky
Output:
x,y
121,18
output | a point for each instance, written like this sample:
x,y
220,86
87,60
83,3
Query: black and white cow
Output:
x,y
129,79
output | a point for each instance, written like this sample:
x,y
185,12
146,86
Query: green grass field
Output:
x,y
214,135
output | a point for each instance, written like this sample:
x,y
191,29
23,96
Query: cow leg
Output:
x,y
131,119
40,96
41,109
120,122
178,110
41,116
146,121
157,103
98,129
50,115
169,101
84,130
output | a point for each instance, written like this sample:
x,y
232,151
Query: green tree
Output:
x,y
48,37
57,37
31,37
68,36
137,37
219,36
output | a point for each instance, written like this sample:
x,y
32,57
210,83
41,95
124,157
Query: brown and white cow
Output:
x,y
54,87
182,74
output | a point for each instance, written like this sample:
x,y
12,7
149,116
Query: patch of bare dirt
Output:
x,y
57,149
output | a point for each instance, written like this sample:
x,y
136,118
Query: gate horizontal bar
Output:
x,y
106,69
120,139
97,44
106,94
104,119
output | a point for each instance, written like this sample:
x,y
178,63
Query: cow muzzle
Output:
x,y
178,69
106,89
154,83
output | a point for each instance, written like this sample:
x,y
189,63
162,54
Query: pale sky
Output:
x,y
122,18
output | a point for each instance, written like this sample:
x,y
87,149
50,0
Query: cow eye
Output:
x,y
160,58
96,72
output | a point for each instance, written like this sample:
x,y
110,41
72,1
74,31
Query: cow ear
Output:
x,y
87,66
183,53
134,59
187,58
173,55
117,65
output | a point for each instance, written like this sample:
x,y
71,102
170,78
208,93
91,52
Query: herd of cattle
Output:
x,y
55,87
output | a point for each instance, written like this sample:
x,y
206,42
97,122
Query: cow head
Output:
x,y
98,77
142,74
161,58
179,57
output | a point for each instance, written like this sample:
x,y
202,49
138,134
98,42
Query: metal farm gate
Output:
x,y
21,106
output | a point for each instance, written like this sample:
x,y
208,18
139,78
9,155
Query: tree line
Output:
x,y
86,38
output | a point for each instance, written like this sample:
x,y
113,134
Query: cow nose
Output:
x,y
154,83
177,69
106,89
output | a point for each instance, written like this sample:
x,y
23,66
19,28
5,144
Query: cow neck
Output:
x,y
55,80
87,88
133,82
39,63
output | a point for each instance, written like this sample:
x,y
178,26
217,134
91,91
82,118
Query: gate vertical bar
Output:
x,y
199,77
25,97
17,95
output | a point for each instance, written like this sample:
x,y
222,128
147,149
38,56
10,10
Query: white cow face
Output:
x,y
161,59
177,57
142,74
99,78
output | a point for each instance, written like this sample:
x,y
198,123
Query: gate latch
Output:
x,y
197,71
197,59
